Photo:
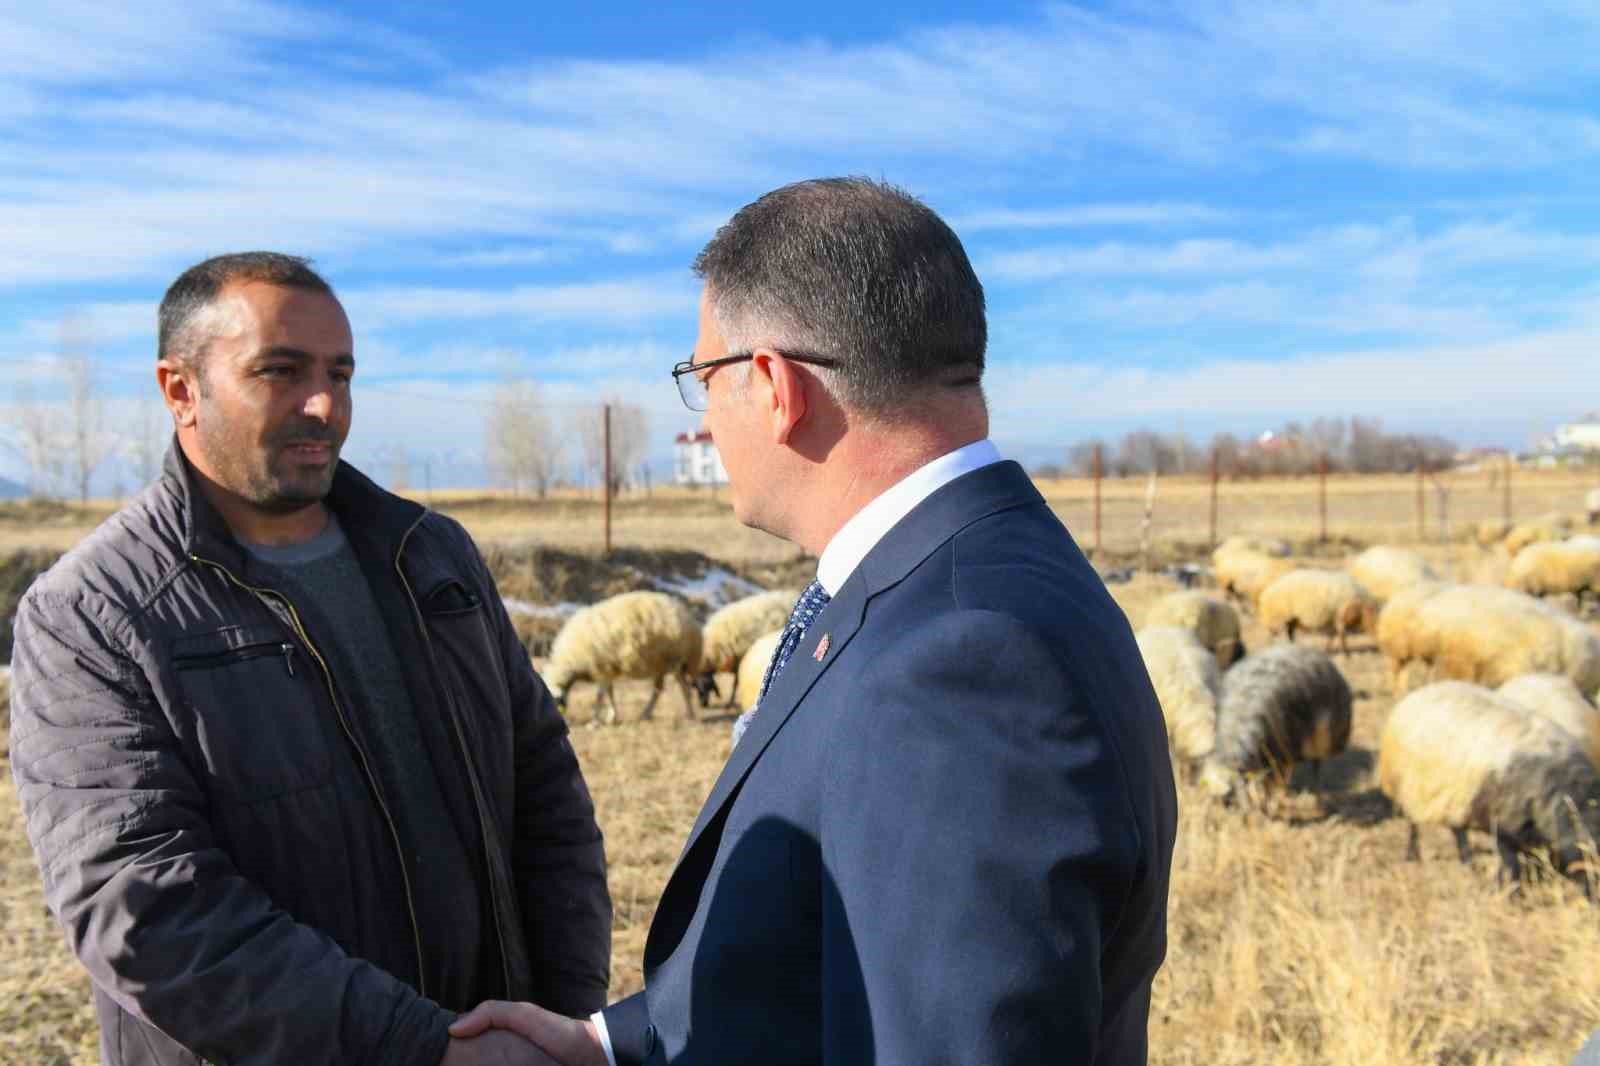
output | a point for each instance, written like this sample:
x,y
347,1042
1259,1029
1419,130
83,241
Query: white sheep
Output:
x,y
1557,567
1278,707
753,667
1214,622
1486,635
731,630
1551,526
636,634
1243,573
1317,601
1185,676
1273,546
1384,570
1556,699
1458,755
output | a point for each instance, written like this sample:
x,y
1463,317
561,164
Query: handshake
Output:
x,y
495,1033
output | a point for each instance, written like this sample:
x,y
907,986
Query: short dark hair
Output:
x,y
857,270
198,286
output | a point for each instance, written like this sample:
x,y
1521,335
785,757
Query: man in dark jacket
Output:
x,y
295,791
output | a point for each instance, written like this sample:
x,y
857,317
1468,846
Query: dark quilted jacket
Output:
x,y
210,835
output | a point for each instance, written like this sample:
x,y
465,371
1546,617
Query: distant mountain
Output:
x,y
11,490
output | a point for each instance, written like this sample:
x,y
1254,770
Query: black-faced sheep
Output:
x,y
1285,705
1458,755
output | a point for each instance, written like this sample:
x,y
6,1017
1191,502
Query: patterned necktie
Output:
x,y
806,608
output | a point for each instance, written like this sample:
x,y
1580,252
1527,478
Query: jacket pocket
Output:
x,y
257,722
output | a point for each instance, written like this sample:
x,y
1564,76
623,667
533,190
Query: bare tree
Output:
x,y
152,428
630,440
523,445
39,441
88,442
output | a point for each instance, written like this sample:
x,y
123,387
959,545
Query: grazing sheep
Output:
x,y
1243,574
1458,755
1383,570
1490,532
1556,699
1281,706
637,634
1486,635
730,631
753,667
1557,567
1185,677
1272,546
1591,506
1552,526
1319,601
1214,622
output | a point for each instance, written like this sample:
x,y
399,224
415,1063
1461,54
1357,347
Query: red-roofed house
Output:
x,y
695,460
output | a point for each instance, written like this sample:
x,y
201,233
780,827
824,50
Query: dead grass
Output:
x,y
1297,939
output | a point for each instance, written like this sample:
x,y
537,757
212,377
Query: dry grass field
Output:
x,y
1298,936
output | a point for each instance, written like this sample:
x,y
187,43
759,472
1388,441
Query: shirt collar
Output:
x,y
862,532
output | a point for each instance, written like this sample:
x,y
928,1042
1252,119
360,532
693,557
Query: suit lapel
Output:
x,y
933,522
838,622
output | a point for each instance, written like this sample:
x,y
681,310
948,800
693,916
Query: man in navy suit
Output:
x,y
946,834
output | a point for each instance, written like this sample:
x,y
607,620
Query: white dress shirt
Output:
x,y
857,537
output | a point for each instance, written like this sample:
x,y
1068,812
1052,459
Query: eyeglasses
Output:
x,y
692,386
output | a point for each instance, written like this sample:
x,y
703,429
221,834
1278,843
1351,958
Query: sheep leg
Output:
x,y
602,696
1510,864
688,702
1463,847
1290,627
650,705
1413,848
1316,775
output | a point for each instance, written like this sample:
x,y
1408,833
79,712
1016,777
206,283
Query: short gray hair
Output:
x,y
855,270
196,289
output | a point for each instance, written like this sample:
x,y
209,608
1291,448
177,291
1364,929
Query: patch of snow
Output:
x,y
717,588
540,610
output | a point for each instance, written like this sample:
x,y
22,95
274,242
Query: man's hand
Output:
x,y
569,1041
496,1047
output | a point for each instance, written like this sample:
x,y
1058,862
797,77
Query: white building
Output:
x,y
1583,435
695,460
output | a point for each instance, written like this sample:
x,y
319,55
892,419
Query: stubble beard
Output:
x,y
254,470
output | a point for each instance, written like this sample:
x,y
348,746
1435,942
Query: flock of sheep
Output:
x,y
1497,729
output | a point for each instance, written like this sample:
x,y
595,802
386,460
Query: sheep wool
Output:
x,y
1185,676
1557,700
1552,526
1384,570
731,630
1281,706
1557,567
1459,755
1214,622
1243,574
1317,601
648,635
1486,635
754,666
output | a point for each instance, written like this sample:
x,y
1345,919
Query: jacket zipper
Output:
x,y
238,655
466,755
344,724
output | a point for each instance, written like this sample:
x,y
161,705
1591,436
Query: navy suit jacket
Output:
x,y
945,840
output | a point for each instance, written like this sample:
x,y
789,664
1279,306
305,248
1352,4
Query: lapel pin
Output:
x,y
822,648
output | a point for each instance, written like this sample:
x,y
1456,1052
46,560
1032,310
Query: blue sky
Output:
x,y
1215,214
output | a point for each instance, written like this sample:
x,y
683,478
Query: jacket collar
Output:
x,y
371,516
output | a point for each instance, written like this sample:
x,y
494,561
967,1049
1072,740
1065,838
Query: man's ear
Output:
x,y
785,392
180,390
